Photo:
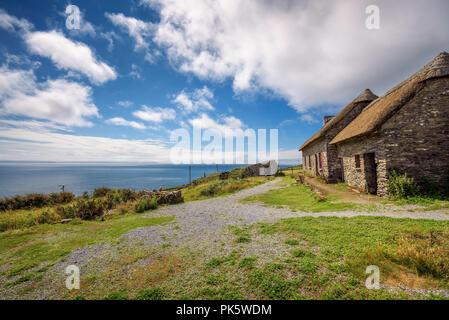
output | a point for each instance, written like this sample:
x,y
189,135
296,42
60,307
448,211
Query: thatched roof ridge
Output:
x,y
380,110
365,96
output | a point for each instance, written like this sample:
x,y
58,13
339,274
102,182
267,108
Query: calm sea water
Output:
x,y
77,178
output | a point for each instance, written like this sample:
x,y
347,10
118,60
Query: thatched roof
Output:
x,y
380,110
365,96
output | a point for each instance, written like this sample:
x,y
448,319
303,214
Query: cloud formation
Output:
x,y
197,100
137,29
310,52
69,55
156,114
125,123
59,100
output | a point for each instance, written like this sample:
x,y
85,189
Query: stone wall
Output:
x,y
355,177
417,136
312,150
415,140
331,170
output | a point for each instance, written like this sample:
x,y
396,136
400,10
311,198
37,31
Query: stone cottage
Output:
x,y
406,130
318,157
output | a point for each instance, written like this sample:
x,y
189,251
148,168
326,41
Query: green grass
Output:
x,y
24,249
213,187
330,258
303,198
428,203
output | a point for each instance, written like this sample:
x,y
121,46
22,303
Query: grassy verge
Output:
x,y
213,187
303,198
44,245
327,259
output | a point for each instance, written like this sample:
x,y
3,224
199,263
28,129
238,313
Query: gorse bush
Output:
x,y
85,209
145,204
401,186
101,192
35,200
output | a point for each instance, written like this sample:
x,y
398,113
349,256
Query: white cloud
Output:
x,y
125,103
139,30
69,55
122,122
13,81
195,101
135,71
155,114
228,126
59,101
11,23
308,118
110,36
65,53
19,142
310,52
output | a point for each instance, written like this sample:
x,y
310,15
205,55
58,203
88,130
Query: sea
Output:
x,y
25,178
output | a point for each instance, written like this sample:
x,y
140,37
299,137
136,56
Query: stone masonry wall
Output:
x,y
356,176
415,140
312,150
417,136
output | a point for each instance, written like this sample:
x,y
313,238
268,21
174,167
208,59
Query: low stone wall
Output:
x,y
165,197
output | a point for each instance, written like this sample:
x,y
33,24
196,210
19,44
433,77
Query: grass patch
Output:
x,y
150,294
213,187
248,262
24,249
292,242
303,198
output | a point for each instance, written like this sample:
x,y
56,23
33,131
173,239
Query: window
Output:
x,y
357,161
321,162
310,162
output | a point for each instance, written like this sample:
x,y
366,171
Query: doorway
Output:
x,y
369,161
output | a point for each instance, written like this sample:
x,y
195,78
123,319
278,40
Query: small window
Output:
x,y
321,162
310,162
357,161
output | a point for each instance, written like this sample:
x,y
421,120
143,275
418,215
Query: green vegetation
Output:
x,y
401,186
150,294
36,209
429,194
212,186
332,260
145,204
35,200
44,245
303,198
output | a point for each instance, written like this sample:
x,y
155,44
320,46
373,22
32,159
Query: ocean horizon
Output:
x,y
20,178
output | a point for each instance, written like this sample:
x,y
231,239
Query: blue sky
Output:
x,y
114,89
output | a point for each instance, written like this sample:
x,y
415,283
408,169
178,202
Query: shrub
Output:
x,y
88,209
150,294
35,200
101,192
145,204
401,186
85,209
62,197
47,217
127,195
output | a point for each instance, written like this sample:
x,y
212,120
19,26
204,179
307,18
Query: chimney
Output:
x,y
326,119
